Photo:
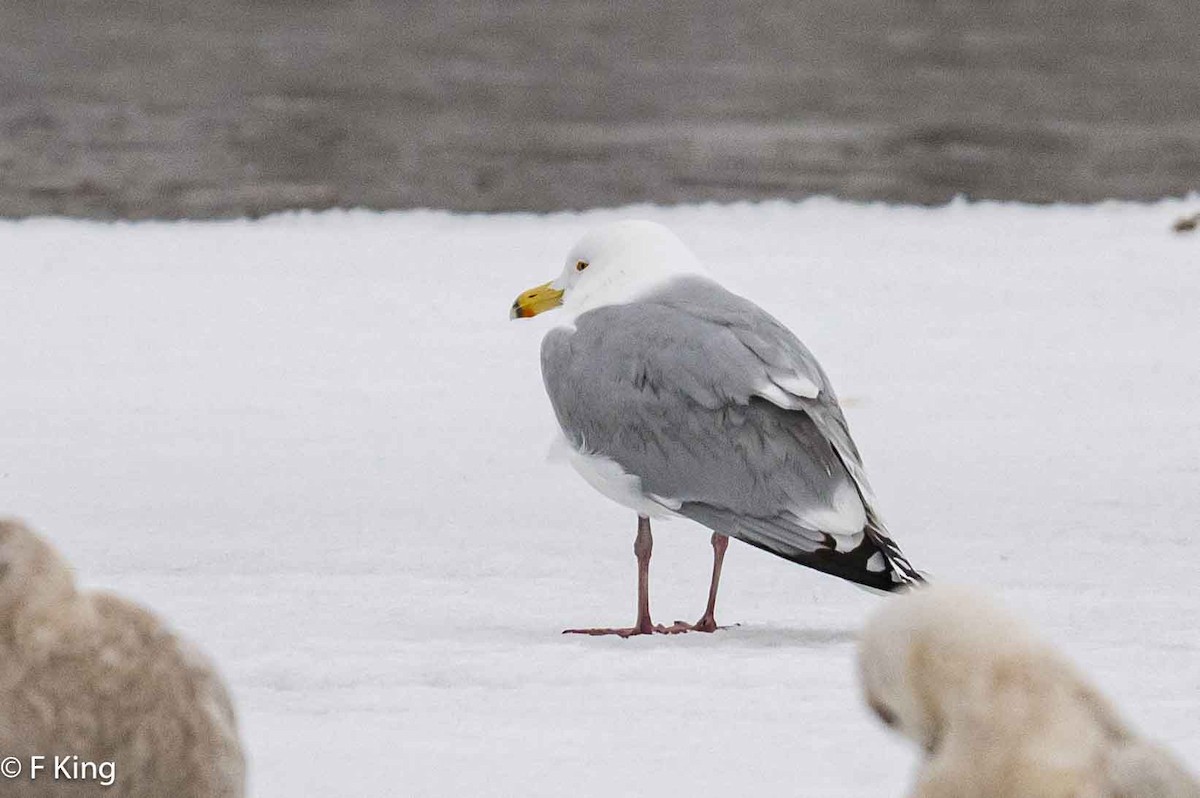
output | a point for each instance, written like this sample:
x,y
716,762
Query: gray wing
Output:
x,y
726,416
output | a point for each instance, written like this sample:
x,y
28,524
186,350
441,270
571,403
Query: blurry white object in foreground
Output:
x,y
998,712
112,700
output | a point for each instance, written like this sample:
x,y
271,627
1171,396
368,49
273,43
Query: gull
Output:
x,y
678,398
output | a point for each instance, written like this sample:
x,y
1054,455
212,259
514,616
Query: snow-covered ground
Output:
x,y
318,446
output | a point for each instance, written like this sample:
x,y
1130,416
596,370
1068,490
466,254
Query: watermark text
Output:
x,y
59,767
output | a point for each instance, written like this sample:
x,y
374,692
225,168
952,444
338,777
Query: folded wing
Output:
x,y
722,413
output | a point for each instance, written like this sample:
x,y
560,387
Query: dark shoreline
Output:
x,y
168,109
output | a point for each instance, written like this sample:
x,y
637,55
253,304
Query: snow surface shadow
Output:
x,y
782,637
736,637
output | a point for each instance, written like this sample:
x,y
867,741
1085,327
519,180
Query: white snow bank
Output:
x,y
317,446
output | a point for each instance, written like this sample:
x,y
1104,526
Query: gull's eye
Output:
x,y
580,265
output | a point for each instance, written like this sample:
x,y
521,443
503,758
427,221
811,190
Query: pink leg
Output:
x,y
643,545
708,623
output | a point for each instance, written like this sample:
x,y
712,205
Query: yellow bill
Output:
x,y
535,301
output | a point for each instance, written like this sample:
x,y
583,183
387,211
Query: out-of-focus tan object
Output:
x,y
998,712
1186,224
103,690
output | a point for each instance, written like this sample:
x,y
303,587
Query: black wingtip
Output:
x,y
876,563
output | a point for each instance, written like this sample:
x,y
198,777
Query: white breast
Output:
x,y
607,476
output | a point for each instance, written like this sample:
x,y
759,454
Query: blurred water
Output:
x,y
229,107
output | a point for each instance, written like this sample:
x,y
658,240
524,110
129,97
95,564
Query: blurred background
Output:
x,y
218,108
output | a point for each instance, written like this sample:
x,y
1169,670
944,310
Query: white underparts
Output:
x,y
607,476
